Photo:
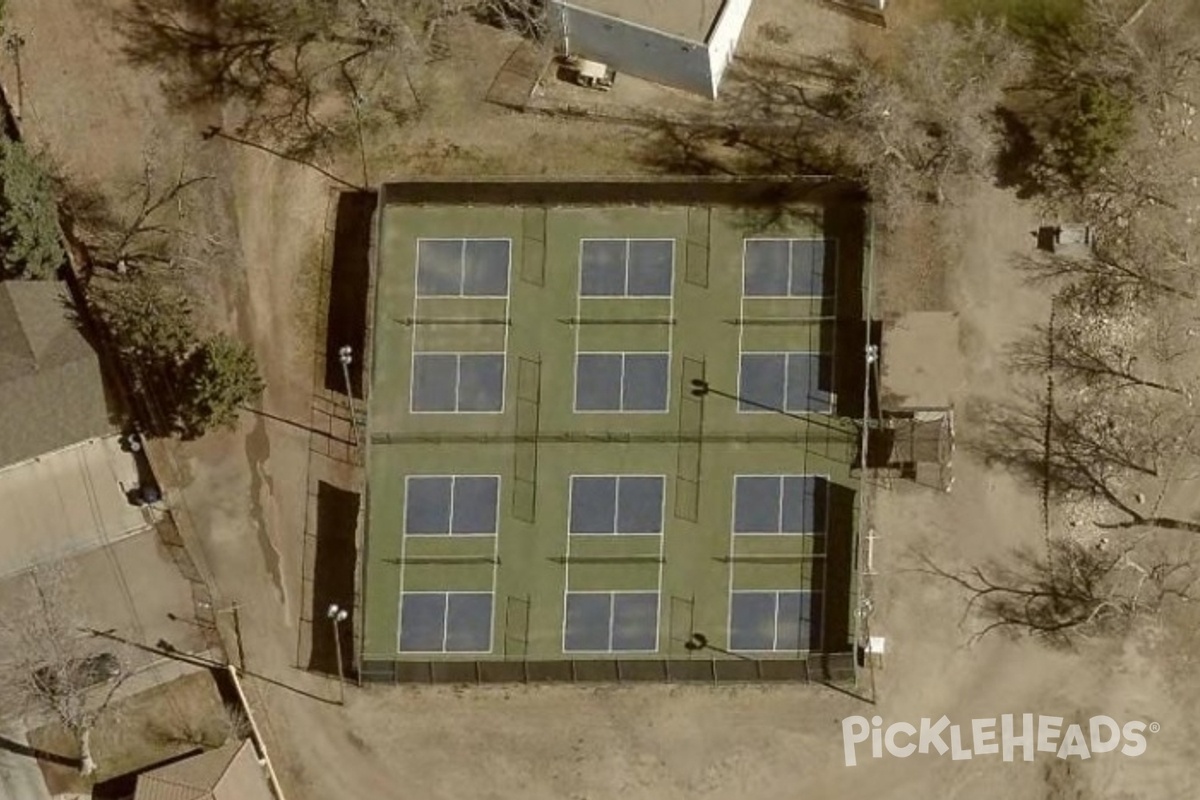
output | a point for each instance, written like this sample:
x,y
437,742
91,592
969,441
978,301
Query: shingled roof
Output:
x,y
51,387
230,772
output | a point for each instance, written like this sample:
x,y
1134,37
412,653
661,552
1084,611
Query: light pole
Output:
x,y
336,615
346,356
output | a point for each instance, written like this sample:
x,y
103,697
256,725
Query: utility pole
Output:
x,y
337,615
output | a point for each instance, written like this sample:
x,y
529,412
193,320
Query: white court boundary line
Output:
x,y
819,618
626,295
787,363
789,296
666,409
446,622
823,476
453,478
612,595
462,268
662,514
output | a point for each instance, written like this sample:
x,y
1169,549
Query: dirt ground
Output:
x,y
246,493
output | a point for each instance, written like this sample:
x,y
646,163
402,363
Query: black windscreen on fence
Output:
x,y
829,667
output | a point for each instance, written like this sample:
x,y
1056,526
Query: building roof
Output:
x,y
50,378
230,772
690,19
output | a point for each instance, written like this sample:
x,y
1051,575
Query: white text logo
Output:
x,y
1027,733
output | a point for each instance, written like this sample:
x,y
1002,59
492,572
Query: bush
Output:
x,y
190,384
29,231
221,375
148,320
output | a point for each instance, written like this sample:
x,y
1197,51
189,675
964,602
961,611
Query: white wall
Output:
x,y
723,41
635,49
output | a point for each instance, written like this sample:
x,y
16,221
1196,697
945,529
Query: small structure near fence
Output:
x,y
921,371
687,44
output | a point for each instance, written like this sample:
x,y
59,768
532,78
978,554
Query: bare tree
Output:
x,y
1167,43
1102,338
232,723
1109,102
1135,269
906,128
1102,446
48,665
523,17
915,124
1151,54
148,223
308,73
1076,590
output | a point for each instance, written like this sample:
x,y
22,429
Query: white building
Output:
x,y
686,44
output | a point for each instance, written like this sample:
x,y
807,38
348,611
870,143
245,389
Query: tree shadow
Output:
x,y
348,291
78,314
205,54
307,77
1072,590
85,210
1013,435
38,753
774,117
688,150
1019,156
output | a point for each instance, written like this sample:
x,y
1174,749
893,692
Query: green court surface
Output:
x,y
492,439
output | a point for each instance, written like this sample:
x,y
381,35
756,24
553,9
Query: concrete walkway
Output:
x,y
66,501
